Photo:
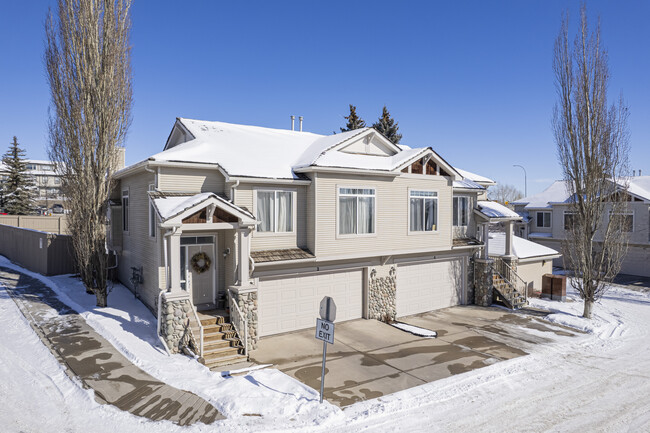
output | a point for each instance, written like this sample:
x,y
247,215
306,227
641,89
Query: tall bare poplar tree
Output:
x,y
592,145
88,62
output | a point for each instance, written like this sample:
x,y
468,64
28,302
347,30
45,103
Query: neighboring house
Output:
x,y
46,180
546,215
271,221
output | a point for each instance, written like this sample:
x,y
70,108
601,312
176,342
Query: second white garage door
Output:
x,y
289,304
429,286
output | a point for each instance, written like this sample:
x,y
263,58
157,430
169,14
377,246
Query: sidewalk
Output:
x,y
100,367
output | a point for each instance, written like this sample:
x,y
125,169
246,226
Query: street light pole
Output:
x,y
525,178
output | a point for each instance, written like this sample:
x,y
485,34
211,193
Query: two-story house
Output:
x,y
271,220
547,216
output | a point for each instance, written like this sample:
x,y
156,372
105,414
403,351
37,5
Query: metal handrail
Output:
x,y
238,320
500,273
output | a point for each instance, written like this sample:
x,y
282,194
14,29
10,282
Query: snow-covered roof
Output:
x,y
638,186
467,184
475,177
557,192
521,247
169,206
492,209
540,235
253,151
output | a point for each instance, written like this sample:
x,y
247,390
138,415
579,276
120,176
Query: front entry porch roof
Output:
x,y
178,207
492,211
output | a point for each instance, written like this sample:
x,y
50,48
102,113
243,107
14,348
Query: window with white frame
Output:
x,y
423,211
569,220
356,211
125,210
274,211
461,211
543,219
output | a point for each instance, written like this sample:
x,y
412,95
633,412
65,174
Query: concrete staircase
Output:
x,y
221,344
506,293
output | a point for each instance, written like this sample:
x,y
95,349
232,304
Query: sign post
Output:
x,y
325,332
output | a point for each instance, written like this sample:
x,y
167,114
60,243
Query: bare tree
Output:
x,y
504,193
88,62
592,145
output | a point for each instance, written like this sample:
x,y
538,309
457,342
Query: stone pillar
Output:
x,y
382,289
483,282
246,300
174,317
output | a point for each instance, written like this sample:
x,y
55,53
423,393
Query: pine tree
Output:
x,y
388,127
354,121
18,189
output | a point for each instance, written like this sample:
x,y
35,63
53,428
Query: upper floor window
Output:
x,y
275,211
356,211
57,180
125,210
31,167
423,211
543,219
569,220
461,211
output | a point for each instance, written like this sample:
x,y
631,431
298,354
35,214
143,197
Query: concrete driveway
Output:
x,y
369,358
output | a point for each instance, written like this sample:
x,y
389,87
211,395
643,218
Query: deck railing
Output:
x,y
238,320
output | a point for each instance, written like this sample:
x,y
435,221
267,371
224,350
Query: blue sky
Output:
x,y
472,79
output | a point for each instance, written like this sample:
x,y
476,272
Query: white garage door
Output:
x,y
428,286
289,304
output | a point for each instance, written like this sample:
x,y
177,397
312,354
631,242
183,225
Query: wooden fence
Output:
x,y
50,224
45,253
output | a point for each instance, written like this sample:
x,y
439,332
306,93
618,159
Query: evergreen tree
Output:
x,y
354,121
387,126
18,189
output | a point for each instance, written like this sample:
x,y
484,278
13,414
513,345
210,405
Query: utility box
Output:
x,y
554,287
559,288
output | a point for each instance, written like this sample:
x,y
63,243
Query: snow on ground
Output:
x,y
596,382
415,330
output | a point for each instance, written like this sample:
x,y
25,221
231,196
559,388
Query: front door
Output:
x,y
198,260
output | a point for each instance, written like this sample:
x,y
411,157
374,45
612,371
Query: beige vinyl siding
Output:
x,y
138,248
392,205
244,197
175,179
532,272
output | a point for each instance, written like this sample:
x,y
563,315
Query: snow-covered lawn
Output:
x,y
596,382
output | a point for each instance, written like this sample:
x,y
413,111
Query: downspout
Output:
x,y
232,191
155,176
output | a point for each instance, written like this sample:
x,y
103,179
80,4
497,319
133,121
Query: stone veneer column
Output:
x,y
483,282
246,299
174,312
382,289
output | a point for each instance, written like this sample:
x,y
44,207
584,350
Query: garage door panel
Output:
x,y
292,303
427,286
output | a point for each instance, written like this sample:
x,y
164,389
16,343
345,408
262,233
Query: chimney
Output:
x,y
300,119
293,120
633,173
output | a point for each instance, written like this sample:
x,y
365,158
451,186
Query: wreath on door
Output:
x,y
200,262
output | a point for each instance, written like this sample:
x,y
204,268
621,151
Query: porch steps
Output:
x,y
506,294
221,344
